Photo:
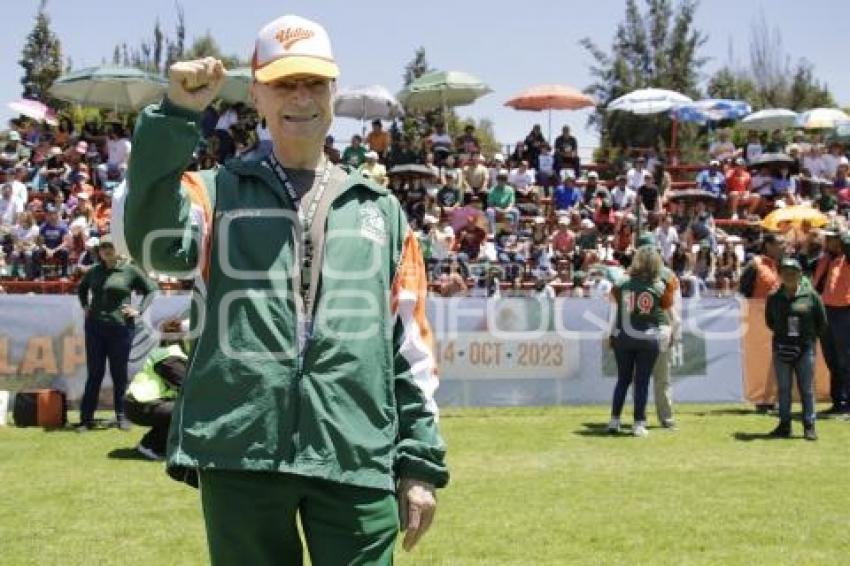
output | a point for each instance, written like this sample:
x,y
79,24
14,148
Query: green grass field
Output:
x,y
529,486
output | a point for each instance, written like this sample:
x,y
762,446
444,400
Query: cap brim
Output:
x,y
296,65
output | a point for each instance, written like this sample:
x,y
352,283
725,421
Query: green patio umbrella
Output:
x,y
237,86
122,89
442,89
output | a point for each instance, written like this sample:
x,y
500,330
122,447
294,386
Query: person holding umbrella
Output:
x,y
796,316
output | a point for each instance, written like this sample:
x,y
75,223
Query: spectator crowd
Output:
x,y
532,219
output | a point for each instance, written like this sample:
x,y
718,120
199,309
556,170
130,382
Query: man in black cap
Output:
x,y
796,316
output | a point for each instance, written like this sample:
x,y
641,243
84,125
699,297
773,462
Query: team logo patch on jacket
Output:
x,y
372,224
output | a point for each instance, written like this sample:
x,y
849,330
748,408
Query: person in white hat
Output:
x,y
310,391
376,171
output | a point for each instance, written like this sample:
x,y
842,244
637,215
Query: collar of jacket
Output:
x,y
255,168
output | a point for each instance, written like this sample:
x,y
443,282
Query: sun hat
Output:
x,y
292,45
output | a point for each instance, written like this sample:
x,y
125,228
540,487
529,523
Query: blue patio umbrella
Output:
x,y
711,110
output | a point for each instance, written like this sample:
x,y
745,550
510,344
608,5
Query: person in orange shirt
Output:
x,y
738,183
761,276
378,139
832,281
103,215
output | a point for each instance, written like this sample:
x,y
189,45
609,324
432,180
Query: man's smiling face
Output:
x,y
297,108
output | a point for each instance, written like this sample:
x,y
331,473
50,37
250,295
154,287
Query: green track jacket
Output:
x,y
358,408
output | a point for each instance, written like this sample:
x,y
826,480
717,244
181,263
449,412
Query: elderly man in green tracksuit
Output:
x,y
311,377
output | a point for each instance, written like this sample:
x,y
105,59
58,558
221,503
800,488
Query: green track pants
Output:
x,y
251,519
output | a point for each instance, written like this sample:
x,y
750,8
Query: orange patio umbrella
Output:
x,y
550,97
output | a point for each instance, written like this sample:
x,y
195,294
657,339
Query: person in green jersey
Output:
x,y
640,330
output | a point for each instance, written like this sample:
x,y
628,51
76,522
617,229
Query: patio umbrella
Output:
x,y
442,89
649,101
550,97
794,216
367,103
34,109
237,86
116,88
770,119
773,159
692,195
711,110
821,118
415,170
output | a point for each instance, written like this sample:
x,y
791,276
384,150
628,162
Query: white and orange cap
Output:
x,y
292,45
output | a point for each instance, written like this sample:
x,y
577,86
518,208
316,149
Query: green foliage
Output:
x,y
417,67
535,486
658,47
770,80
41,58
206,46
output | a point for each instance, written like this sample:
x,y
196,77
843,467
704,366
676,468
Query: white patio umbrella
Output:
x,y
821,118
649,101
34,109
115,88
372,102
770,119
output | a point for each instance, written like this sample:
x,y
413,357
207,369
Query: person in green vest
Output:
x,y
640,330
796,316
151,394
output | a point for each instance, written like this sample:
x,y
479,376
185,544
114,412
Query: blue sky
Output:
x,y
373,41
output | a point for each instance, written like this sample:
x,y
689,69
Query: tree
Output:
x,y
206,46
770,80
417,67
41,58
175,48
658,47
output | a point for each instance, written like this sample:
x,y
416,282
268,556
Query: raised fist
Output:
x,y
195,84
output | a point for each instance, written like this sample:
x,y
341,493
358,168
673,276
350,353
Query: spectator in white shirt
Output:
x,y
498,165
754,147
118,155
522,177
622,196
832,159
722,148
667,237
441,236
546,168
16,177
814,162
634,176
9,207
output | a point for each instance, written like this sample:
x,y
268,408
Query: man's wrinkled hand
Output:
x,y
195,84
417,504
